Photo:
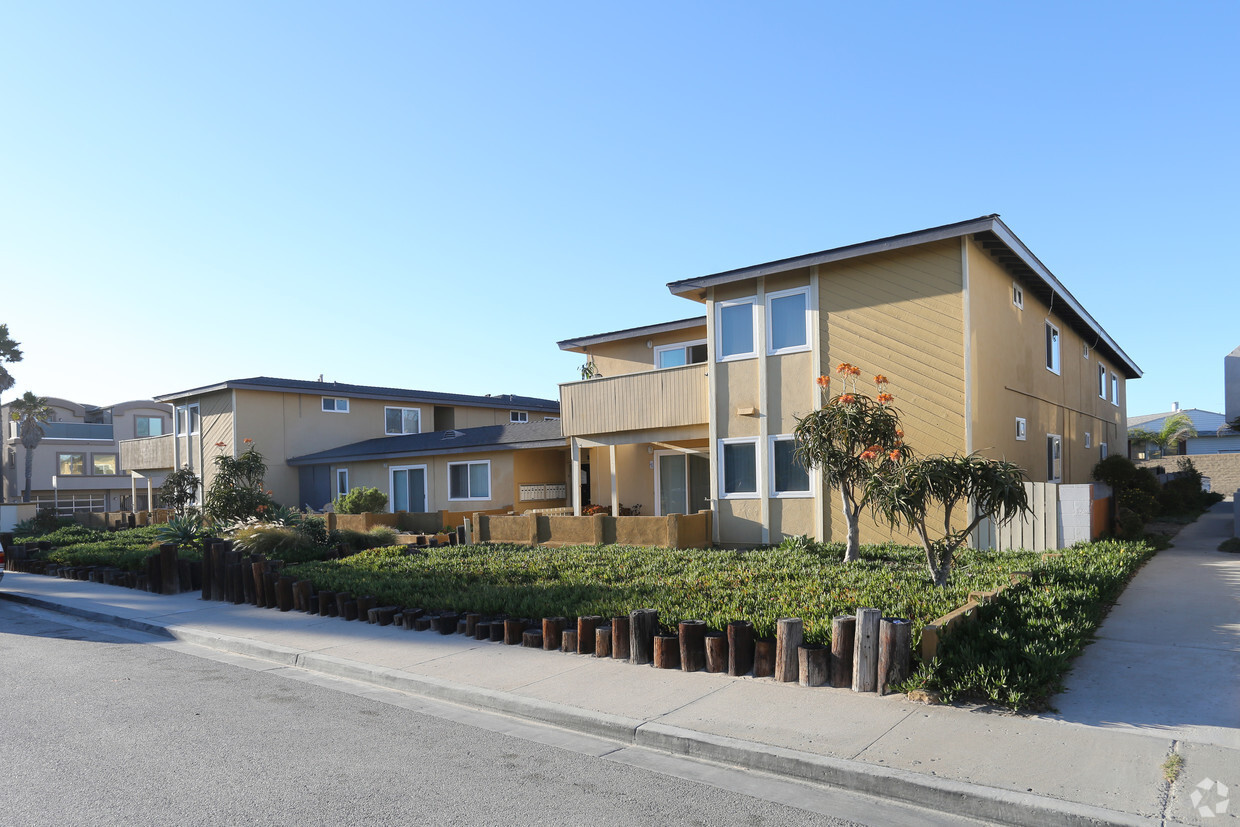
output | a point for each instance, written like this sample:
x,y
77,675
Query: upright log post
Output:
x,y
208,553
497,630
482,630
895,647
602,641
169,569
643,623
843,629
568,641
327,602
585,633
740,647
716,652
789,634
553,632
815,663
692,645
364,605
865,651
471,623
764,657
620,637
257,566
666,651
533,638
218,582
284,592
513,630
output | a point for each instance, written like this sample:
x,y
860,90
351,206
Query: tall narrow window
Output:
x,y
787,321
734,336
1102,381
1018,295
1054,458
1052,348
739,467
342,481
1114,389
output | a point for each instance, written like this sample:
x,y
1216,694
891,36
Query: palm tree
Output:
x,y
9,352
30,412
1176,428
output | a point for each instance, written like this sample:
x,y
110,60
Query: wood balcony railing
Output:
x,y
636,401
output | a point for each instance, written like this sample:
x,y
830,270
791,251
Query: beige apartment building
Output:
x,y
984,348
287,418
77,466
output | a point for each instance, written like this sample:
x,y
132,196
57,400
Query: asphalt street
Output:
x,y
107,726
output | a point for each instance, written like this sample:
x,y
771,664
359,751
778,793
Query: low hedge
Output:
x,y
805,580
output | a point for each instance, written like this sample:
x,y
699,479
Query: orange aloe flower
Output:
x,y
894,456
843,367
848,398
884,398
220,444
823,381
247,440
899,433
880,380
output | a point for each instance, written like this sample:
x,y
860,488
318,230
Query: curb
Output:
x,y
931,792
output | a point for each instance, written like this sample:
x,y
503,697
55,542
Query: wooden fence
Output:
x,y
1059,516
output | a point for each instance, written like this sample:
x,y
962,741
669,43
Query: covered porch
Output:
x,y
651,472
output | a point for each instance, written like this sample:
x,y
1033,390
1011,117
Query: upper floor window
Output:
x,y
787,321
1114,389
469,480
1018,295
1089,439
335,404
1021,428
734,335
187,419
398,421
518,416
1052,348
1102,381
103,464
681,353
71,465
148,426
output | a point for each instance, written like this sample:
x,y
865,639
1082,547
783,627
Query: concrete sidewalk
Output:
x,y
997,767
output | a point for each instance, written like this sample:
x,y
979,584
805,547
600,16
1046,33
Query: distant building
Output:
x,y
77,465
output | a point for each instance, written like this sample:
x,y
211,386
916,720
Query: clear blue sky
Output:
x,y
430,195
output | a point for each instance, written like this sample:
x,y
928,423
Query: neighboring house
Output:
x,y
494,468
985,350
292,418
77,465
1213,435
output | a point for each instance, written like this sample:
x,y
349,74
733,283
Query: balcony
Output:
x,y
69,430
667,398
150,453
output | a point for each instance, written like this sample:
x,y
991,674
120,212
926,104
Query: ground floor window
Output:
x,y
789,478
103,464
469,480
738,467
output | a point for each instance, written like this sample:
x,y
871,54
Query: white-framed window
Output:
x,y
1102,449
1102,381
1021,428
681,353
735,329
1089,440
342,481
187,419
1054,458
397,421
738,468
104,465
469,480
144,426
1018,296
1085,351
71,465
789,478
407,490
1052,348
787,321
518,416
335,404
1114,389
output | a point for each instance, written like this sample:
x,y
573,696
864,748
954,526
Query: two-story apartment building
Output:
x,y
77,465
984,348
287,418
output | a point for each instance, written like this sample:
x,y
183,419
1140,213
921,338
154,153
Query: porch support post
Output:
x,y
133,491
821,503
575,454
615,491
764,422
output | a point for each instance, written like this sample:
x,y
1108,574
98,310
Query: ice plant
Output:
x,y
851,437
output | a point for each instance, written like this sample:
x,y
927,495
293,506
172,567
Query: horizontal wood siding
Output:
x,y
637,401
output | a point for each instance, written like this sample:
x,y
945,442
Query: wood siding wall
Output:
x,y
655,399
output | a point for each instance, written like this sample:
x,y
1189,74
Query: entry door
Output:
x,y
1054,458
407,484
671,483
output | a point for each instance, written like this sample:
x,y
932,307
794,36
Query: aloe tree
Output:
x,y
31,413
851,437
9,352
912,494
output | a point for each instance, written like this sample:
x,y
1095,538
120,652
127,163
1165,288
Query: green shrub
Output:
x,y
1231,545
279,542
43,522
355,540
360,501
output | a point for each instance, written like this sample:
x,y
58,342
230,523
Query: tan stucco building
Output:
x,y
287,418
984,348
